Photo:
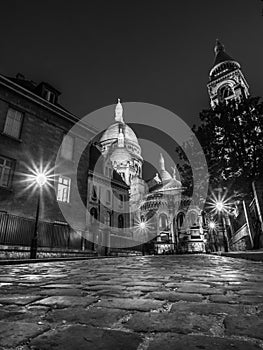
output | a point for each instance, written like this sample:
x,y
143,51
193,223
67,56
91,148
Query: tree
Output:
x,y
232,139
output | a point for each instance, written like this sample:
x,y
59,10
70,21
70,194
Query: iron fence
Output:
x,y
16,230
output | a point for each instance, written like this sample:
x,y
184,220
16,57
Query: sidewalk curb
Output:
x,y
35,261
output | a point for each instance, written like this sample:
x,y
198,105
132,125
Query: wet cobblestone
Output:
x,y
158,302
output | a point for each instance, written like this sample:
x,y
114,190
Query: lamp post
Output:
x,y
40,180
212,226
220,207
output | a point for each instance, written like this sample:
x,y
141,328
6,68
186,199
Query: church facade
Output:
x,y
156,211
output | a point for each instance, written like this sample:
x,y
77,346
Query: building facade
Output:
x,y
32,128
226,80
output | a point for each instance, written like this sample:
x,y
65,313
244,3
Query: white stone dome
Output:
x,y
112,133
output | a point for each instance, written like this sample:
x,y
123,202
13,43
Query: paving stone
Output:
x,y
174,296
22,313
186,285
248,325
142,283
142,288
197,342
97,283
105,286
84,337
250,299
61,285
207,308
169,322
255,292
131,304
224,299
199,290
18,299
96,317
66,301
14,333
60,291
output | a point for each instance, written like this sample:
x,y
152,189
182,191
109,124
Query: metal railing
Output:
x,y
16,230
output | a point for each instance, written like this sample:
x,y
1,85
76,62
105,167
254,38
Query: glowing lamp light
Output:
x,y
142,225
219,205
41,179
37,177
212,225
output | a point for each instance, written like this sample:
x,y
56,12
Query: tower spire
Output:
x,y
119,112
165,176
162,166
218,47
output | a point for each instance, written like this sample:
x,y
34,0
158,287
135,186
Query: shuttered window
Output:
x,y
6,171
13,123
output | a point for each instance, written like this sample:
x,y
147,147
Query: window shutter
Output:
x,y
13,123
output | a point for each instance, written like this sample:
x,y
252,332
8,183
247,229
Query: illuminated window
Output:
x,y
13,123
6,171
63,193
67,147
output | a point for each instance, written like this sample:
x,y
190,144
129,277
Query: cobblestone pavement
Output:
x,y
158,302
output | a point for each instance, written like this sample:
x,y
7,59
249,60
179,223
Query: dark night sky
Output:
x,y
97,51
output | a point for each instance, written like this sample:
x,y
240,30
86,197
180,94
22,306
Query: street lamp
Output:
x,y
221,205
212,225
40,180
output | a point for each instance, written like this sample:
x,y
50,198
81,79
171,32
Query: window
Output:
x,y
180,220
94,196
49,96
67,147
63,193
121,198
120,221
13,123
225,92
193,218
163,222
93,215
6,171
108,196
107,218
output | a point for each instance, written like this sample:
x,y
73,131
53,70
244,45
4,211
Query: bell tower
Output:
x,y
226,80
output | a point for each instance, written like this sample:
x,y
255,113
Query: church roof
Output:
x,y
220,54
113,130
